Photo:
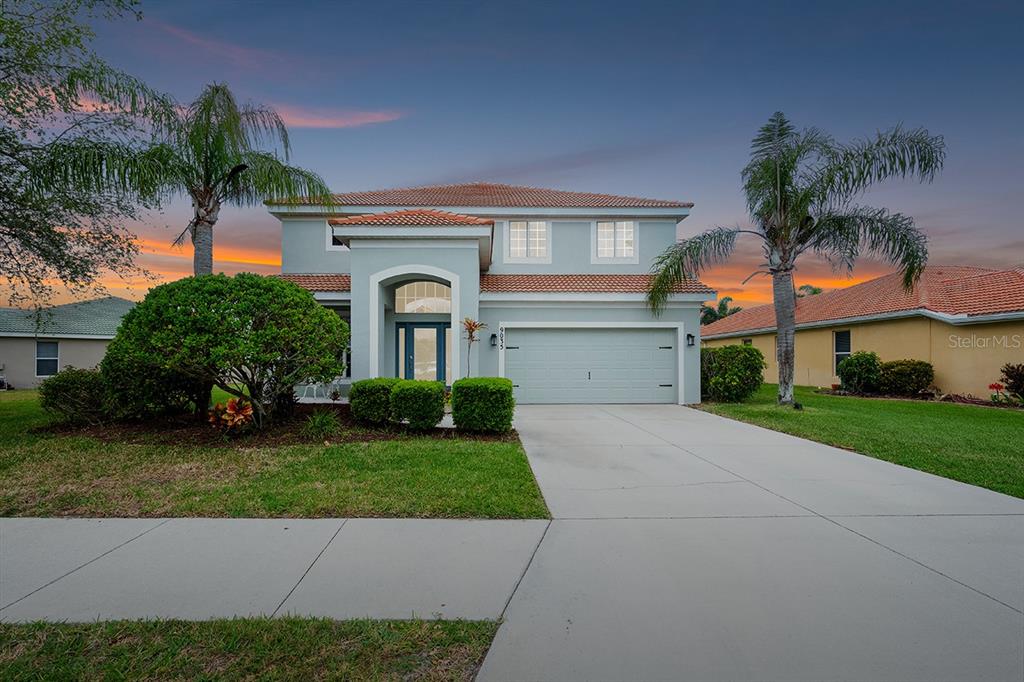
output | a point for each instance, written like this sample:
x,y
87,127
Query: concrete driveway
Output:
x,y
686,546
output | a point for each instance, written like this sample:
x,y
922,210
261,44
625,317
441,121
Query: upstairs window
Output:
x,y
46,358
614,240
841,348
423,297
528,240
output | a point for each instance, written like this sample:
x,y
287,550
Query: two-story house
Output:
x,y
558,277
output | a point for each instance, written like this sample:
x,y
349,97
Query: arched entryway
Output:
x,y
414,322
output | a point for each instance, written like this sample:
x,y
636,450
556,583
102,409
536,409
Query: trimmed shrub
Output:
x,y
255,337
370,400
731,374
420,403
483,404
905,377
141,384
1013,377
75,395
860,372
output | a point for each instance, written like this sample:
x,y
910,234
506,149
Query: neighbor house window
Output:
x,y
841,343
423,297
46,358
748,342
527,239
616,239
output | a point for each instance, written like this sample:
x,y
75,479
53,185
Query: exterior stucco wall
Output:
x,y
966,358
18,357
304,247
494,315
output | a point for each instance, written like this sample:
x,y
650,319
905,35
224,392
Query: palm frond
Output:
x,y
268,178
895,153
842,236
685,260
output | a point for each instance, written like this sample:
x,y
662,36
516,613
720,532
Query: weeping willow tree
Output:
x,y
218,152
73,131
802,189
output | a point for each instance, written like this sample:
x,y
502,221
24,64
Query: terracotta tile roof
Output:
x,y
413,217
495,194
620,284
948,289
323,282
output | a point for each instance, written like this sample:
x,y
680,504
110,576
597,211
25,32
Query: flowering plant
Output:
x,y
234,416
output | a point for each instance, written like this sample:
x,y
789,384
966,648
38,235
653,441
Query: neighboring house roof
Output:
x,y
495,194
622,284
99,317
944,291
413,217
320,282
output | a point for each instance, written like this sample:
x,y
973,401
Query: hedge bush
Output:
x,y
483,404
420,403
370,400
905,377
860,372
254,337
731,374
77,396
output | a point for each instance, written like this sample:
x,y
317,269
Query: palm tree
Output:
x,y
212,153
801,189
808,290
709,314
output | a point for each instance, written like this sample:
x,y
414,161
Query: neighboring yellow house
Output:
x,y
967,321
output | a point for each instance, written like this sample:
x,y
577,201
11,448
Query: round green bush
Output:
x,y
419,403
731,374
860,372
905,377
254,337
370,400
76,396
483,404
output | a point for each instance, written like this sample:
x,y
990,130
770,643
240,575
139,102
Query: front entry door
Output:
x,y
422,351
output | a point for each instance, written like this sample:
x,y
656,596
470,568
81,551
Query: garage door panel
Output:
x,y
592,365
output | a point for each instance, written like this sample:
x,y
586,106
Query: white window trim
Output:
x,y
678,326
330,241
35,368
506,231
614,260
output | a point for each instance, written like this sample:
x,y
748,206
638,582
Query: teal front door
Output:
x,y
422,351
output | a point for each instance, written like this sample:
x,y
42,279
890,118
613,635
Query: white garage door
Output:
x,y
592,365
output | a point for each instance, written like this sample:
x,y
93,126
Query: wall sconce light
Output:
x,y
690,338
494,340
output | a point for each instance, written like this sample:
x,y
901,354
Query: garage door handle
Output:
x,y
588,376
664,347
665,385
511,347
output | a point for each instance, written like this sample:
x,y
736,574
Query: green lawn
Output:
x,y
983,446
48,474
245,649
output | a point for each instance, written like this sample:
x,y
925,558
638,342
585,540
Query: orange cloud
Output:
x,y
297,117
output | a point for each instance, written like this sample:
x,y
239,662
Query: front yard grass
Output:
x,y
49,473
982,446
245,649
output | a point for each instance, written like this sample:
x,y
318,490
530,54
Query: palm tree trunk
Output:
x,y
785,326
206,213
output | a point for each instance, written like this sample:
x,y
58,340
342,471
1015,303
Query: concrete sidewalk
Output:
x,y
196,569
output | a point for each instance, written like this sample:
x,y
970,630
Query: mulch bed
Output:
x,y
188,430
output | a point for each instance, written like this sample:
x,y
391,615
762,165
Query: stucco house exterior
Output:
x,y
966,321
558,277
33,347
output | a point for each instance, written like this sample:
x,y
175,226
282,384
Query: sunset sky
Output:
x,y
655,99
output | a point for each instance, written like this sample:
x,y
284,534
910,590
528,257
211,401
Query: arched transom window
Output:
x,y
423,297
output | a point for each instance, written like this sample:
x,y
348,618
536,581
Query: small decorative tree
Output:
x,y
472,328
